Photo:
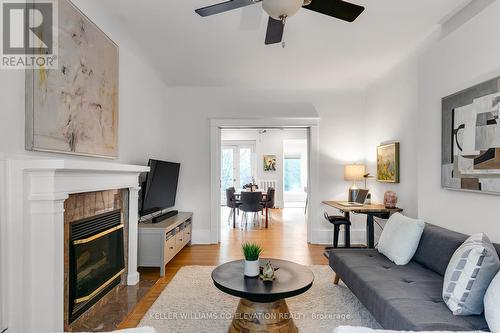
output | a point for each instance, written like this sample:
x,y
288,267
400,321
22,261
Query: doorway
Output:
x,y
311,125
271,161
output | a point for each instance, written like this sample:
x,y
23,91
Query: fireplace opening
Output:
x,y
96,260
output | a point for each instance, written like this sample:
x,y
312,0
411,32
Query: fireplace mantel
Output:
x,y
33,232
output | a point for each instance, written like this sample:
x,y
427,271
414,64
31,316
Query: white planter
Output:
x,y
252,268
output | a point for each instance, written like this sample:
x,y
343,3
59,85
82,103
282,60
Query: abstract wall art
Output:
x,y
270,162
471,139
74,109
388,163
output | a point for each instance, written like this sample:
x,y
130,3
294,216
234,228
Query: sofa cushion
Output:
x,y
492,304
469,273
399,297
400,238
439,240
436,240
355,329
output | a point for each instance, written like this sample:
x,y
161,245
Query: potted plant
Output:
x,y
251,251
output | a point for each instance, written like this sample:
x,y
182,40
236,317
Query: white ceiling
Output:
x,y
321,52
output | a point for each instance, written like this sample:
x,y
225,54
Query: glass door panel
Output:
x,y
227,171
246,172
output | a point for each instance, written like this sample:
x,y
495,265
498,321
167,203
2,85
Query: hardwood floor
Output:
x,y
285,239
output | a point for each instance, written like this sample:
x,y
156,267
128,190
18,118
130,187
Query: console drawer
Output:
x,y
179,239
187,234
170,248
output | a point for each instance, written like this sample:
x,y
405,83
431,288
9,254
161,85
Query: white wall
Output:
x,y
142,101
391,116
462,59
341,137
405,105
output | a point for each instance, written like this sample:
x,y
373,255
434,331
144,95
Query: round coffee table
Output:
x,y
262,307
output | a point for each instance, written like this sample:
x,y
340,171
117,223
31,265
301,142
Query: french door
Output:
x,y
237,165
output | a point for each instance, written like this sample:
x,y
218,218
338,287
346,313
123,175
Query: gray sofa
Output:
x,y
406,297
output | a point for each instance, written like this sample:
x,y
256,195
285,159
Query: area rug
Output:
x,y
191,303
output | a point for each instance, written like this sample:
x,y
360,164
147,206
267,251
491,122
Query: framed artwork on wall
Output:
x,y
471,139
74,109
270,162
388,163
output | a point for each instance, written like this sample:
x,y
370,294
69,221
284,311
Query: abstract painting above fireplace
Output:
x,y
471,139
74,109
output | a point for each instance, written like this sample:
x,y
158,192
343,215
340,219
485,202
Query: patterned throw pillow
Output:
x,y
469,273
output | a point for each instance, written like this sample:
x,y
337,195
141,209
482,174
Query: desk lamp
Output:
x,y
354,172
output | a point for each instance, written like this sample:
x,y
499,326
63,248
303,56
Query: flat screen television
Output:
x,y
160,187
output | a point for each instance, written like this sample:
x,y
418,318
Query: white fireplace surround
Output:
x,y
32,233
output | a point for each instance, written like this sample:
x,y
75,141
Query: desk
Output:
x,y
371,211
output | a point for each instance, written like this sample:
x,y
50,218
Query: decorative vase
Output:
x,y
390,199
252,268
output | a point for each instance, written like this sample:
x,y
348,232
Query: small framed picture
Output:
x,y
388,163
269,162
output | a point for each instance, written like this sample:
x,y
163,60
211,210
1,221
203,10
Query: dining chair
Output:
x,y
270,200
251,202
232,203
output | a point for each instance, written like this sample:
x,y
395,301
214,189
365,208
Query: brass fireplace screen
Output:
x,y
96,260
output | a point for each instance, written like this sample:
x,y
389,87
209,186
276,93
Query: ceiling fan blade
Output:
x,y
274,32
336,8
224,7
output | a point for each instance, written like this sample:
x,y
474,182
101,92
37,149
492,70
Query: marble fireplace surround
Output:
x,y
33,233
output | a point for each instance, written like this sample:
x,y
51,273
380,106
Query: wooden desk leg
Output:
x,y
370,231
267,217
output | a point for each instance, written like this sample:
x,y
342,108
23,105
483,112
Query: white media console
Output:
x,y
160,242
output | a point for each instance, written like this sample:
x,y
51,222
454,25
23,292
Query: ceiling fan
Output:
x,y
280,10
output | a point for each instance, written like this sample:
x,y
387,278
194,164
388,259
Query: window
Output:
x,y
245,166
293,172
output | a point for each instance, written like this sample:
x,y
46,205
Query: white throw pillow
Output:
x,y
492,304
469,273
353,329
400,238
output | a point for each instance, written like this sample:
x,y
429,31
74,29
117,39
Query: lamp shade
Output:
x,y
354,172
281,8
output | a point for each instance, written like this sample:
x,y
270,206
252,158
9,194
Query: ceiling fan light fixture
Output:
x,y
278,9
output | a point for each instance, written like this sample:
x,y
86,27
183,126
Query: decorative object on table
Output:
x,y
400,238
492,304
471,139
388,163
390,199
270,162
252,187
267,272
74,109
468,275
251,251
354,172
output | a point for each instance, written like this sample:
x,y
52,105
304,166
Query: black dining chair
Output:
x,y
251,202
270,200
337,221
232,203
